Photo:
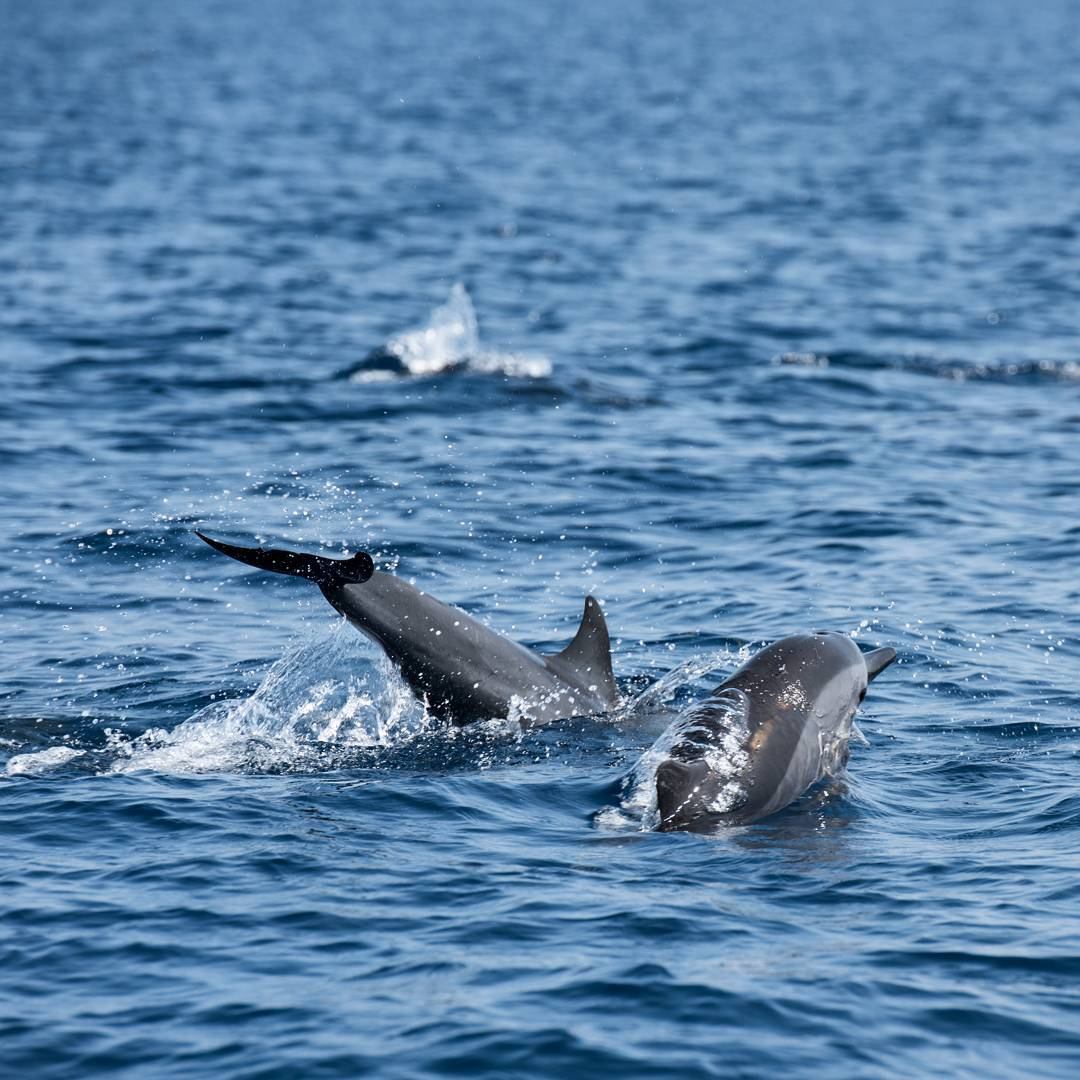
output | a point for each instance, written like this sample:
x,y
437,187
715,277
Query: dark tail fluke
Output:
x,y
315,568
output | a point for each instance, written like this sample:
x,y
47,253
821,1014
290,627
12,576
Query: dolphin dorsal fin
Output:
x,y
877,661
587,659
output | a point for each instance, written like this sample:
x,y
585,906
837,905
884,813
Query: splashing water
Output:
x,y
724,749
449,339
657,698
293,720
207,244
324,705
42,761
449,342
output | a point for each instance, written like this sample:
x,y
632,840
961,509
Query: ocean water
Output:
x,y
749,319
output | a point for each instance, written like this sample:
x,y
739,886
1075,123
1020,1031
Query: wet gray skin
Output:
x,y
782,721
462,670
465,671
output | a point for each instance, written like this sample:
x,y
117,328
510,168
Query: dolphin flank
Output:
x,y
780,724
462,670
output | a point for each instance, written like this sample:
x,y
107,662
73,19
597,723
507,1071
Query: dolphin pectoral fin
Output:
x,y
317,568
587,659
877,661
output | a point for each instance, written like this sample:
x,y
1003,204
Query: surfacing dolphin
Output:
x,y
780,724
462,670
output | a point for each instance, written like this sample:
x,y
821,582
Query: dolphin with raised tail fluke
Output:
x,y
462,670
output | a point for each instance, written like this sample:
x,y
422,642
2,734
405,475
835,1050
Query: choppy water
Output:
x,y
750,319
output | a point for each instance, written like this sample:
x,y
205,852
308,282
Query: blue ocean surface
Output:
x,y
748,318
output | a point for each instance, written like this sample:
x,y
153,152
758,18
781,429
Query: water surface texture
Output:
x,y
748,318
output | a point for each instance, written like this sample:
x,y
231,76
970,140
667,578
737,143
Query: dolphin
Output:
x,y
780,724
459,668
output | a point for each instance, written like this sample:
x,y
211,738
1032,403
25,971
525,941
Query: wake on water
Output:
x,y
321,701
328,704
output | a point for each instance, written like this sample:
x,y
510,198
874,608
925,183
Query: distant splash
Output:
x,y
450,342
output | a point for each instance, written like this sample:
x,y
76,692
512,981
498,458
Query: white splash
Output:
x,y
451,341
292,720
41,762
657,698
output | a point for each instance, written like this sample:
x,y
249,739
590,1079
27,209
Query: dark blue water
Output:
x,y
775,329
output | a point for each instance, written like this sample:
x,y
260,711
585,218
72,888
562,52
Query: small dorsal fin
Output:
x,y
877,661
587,659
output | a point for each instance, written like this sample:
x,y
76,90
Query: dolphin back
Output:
x,y
460,668
801,694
